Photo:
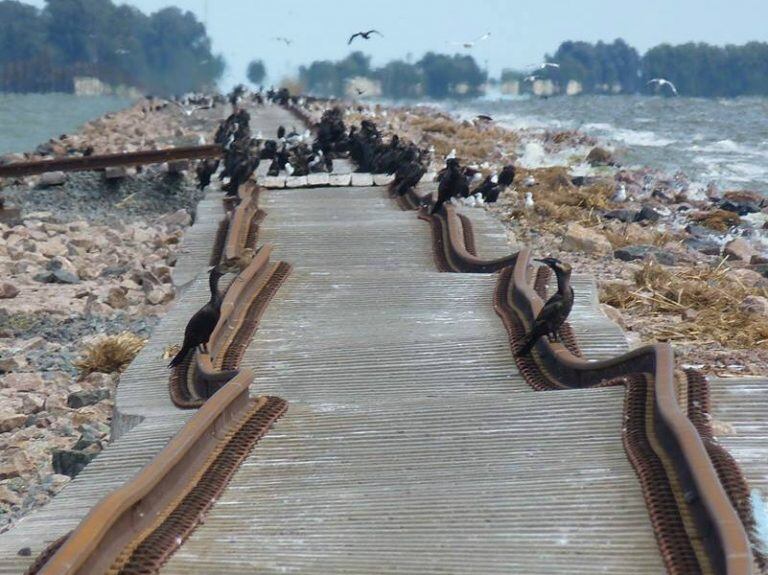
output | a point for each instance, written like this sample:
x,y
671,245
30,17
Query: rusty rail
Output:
x,y
102,161
247,297
454,245
118,524
720,541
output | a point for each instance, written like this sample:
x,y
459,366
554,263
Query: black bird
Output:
x,y
453,183
407,177
484,118
280,132
363,35
202,324
555,311
205,169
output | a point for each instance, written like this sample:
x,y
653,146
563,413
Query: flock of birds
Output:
x,y
298,154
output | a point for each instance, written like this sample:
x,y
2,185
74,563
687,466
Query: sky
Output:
x,y
522,32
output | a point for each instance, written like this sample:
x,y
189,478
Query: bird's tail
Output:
x,y
526,347
437,206
180,357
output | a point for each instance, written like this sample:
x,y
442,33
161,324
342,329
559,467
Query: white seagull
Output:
x,y
471,43
664,82
548,65
528,201
620,194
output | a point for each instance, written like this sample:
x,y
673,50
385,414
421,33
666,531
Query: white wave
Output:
x,y
628,136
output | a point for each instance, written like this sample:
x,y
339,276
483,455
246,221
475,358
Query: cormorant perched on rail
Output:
x,y
280,132
492,186
555,311
201,325
453,183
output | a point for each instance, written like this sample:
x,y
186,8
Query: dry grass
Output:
x,y
109,354
706,298
718,220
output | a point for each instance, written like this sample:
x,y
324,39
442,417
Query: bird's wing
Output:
x,y
672,86
375,32
483,37
353,36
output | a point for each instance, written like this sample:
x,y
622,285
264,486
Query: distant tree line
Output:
x,y
44,50
434,76
696,69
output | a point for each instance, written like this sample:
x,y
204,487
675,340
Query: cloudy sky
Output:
x,y
522,31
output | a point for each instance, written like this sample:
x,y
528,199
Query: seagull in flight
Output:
x,y
283,39
363,35
663,82
471,43
546,65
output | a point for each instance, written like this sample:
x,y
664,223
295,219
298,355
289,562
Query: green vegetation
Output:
x,y
695,69
44,50
435,76
256,72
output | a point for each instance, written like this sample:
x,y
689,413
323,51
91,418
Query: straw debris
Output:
x,y
110,354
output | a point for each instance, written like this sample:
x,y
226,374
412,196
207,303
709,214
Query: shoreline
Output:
x,y
86,277
717,318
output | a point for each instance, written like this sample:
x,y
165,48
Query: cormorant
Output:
x,y
555,311
205,169
507,176
453,183
202,324
280,132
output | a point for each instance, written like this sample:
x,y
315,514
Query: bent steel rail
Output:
x,y
102,161
720,539
454,244
118,524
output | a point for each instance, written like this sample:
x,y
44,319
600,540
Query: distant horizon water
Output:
x,y
27,120
711,140
724,141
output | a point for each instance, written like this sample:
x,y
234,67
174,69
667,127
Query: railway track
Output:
x,y
412,441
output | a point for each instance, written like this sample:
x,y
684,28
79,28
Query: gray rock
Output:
x,y
741,207
641,252
698,231
623,215
648,214
704,246
70,462
79,399
60,276
49,179
8,291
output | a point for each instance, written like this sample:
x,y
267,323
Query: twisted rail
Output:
x,y
138,526
698,530
453,243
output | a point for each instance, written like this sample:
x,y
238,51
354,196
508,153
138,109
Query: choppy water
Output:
x,y
725,141
27,120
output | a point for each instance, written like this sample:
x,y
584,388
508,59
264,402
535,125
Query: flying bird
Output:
x,y
484,118
283,39
548,65
471,43
363,35
663,82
